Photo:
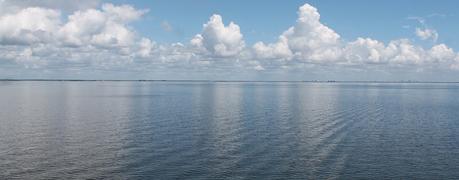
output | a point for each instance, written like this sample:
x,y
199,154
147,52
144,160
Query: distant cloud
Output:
x,y
421,20
63,5
42,38
311,41
166,26
308,40
441,15
101,36
426,33
218,39
37,25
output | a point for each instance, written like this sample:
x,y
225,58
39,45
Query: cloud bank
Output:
x,y
50,35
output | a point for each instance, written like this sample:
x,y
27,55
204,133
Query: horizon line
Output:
x,y
202,80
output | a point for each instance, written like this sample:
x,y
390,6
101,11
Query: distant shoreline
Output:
x,y
160,80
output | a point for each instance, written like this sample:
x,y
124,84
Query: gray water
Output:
x,y
228,130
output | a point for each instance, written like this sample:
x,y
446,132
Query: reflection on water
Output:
x,y
234,130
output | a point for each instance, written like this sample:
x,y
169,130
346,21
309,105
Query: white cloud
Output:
x,y
218,39
105,28
397,52
102,37
427,33
455,64
81,26
365,50
279,50
404,52
441,53
145,47
309,40
29,25
7,6
42,36
122,13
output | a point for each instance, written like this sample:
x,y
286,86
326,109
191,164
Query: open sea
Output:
x,y
228,130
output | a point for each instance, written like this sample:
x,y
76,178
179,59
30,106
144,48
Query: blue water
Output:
x,y
228,130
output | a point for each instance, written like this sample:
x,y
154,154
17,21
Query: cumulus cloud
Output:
x,y
103,33
220,40
106,27
30,25
441,53
101,36
279,50
365,50
396,53
309,40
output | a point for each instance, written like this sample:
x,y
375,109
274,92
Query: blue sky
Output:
x,y
193,39
265,20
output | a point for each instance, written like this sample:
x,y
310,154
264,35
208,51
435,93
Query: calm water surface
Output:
x,y
228,130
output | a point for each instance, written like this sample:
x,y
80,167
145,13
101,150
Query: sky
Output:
x,y
355,40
